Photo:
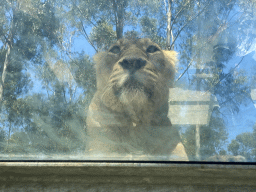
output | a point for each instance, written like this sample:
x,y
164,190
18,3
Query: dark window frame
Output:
x,y
93,174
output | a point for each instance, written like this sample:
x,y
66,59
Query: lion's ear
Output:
x,y
171,57
171,61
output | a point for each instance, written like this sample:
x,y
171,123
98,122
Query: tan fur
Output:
x,y
128,114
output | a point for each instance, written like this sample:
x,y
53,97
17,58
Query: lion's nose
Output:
x,y
133,64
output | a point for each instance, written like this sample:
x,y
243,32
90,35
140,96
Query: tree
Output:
x,y
233,147
212,137
28,28
2,139
244,145
103,35
25,33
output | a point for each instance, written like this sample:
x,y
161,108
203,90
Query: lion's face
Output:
x,y
134,74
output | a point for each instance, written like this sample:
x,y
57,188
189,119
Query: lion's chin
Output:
x,y
134,97
136,103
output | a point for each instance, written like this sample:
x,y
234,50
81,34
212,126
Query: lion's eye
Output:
x,y
152,49
115,49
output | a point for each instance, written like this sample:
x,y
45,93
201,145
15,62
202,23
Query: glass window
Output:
x,y
150,80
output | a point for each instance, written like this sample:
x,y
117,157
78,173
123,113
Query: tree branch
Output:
x,y
186,68
229,73
187,23
83,28
81,14
220,29
179,13
86,36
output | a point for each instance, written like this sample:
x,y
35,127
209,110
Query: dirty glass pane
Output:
x,y
145,80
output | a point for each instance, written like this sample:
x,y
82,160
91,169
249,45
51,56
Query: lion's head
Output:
x,y
135,76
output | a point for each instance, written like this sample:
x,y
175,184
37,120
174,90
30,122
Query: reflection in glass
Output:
x,y
48,76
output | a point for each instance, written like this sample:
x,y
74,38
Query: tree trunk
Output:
x,y
119,6
2,80
198,142
198,88
169,38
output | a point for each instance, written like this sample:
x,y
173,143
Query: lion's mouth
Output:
x,y
131,84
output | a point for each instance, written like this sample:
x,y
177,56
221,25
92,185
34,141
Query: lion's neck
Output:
x,y
135,108
140,114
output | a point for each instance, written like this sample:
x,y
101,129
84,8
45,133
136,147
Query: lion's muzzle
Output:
x,y
132,64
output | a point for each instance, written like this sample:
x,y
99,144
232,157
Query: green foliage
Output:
x,y
188,139
149,30
2,139
131,35
103,35
18,143
245,145
212,138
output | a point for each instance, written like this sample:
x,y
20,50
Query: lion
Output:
x,y
128,113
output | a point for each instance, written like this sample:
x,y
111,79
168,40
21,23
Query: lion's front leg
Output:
x,y
179,153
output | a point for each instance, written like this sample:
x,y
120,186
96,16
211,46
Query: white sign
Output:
x,y
187,107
